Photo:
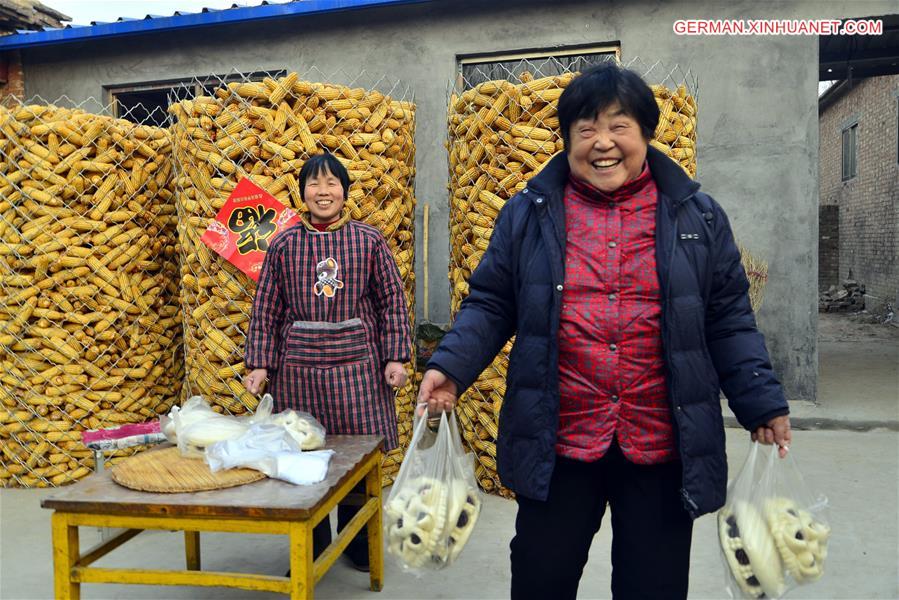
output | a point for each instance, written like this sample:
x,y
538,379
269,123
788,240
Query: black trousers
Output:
x,y
321,534
651,531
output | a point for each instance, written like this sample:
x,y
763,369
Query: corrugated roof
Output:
x,y
858,56
28,15
207,17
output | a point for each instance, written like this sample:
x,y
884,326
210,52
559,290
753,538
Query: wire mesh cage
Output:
x,y
263,127
90,329
502,129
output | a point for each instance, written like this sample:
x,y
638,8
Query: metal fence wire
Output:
x,y
90,331
501,132
263,127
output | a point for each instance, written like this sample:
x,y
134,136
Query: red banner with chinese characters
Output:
x,y
246,225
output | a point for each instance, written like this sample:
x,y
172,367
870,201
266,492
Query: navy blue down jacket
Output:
x,y
709,335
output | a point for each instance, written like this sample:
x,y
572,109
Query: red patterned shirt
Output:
x,y
611,368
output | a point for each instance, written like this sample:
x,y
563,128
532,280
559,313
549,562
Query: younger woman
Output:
x,y
330,326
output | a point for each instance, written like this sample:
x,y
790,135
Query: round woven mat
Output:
x,y
165,470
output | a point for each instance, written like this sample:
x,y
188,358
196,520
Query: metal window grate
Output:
x,y
478,69
147,103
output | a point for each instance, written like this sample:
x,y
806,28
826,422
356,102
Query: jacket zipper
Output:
x,y
689,503
668,310
545,211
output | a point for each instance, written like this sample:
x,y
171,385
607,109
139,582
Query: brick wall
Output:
x,y
868,203
828,246
15,78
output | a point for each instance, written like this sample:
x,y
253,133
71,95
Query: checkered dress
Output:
x,y
325,328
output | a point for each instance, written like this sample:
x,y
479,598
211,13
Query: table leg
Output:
x,y
192,550
375,528
66,553
302,577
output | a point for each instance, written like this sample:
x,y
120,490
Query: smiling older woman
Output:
x,y
624,287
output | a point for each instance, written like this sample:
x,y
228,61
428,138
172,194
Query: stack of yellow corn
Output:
x,y
265,131
676,132
90,328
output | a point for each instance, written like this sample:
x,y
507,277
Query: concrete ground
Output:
x,y
858,378
857,468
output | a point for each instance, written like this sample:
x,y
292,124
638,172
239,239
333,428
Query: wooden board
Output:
x,y
165,470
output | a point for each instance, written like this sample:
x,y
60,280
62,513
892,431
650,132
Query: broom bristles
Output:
x,y
757,273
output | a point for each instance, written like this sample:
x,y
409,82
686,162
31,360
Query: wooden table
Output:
x,y
267,506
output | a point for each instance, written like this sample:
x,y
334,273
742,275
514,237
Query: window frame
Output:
x,y
198,83
849,163
114,92
532,54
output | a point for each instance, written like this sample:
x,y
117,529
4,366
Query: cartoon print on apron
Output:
x,y
327,282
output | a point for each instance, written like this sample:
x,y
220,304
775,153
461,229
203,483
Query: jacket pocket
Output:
x,y
324,345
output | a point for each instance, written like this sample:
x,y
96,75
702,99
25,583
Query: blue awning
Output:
x,y
182,20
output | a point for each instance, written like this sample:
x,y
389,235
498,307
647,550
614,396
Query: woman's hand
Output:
x,y
395,374
254,379
437,392
776,431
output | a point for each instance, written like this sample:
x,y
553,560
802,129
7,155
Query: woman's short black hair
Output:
x,y
599,87
324,163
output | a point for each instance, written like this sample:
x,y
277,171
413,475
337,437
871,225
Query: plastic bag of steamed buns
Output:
x,y
195,426
773,533
434,504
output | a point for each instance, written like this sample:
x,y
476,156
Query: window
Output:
x,y
487,67
148,104
850,147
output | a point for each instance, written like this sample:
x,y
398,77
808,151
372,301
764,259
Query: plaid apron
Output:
x,y
329,313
